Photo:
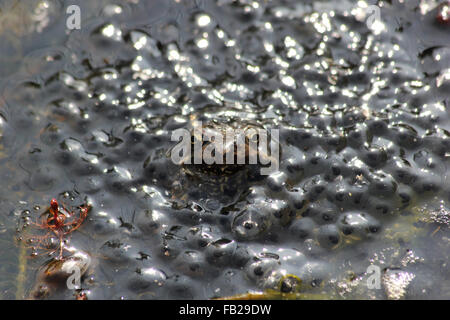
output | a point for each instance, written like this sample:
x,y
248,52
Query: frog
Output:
x,y
220,184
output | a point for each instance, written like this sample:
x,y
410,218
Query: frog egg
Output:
x,y
328,236
260,269
358,224
200,237
221,252
276,182
146,279
302,228
191,263
251,223
151,221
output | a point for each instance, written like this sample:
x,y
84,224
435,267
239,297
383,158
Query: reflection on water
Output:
x,y
364,134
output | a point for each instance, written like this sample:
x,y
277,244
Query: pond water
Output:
x,y
359,91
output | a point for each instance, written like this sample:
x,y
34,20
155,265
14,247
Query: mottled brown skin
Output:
x,y
221,127
222,183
